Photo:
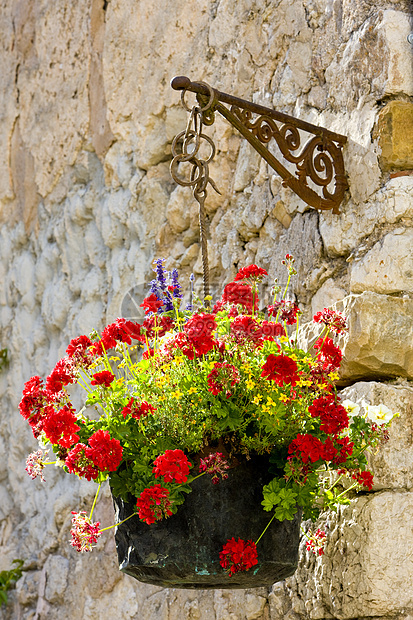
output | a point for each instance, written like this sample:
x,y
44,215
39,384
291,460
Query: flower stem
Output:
x,y
94,502
268,525
120,523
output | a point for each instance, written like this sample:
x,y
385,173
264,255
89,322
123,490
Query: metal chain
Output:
x,y
185,148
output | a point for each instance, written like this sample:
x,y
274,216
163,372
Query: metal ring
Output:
x,y
174,172
185,156
207,106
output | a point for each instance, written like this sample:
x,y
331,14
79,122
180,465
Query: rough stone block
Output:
x,y
379,342
395,135
367,569
392,465
388,267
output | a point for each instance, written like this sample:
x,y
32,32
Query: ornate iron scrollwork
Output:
x,y
319,161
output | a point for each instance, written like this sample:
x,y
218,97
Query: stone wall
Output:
x,y
87,117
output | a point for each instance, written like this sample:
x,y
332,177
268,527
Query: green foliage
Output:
x,y
8,578
4,359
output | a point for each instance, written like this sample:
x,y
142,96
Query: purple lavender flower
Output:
x,y
175,283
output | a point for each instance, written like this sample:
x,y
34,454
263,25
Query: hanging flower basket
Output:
x,y
183,551
213,427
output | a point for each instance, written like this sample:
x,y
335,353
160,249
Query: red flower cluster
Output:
x,y
287,311
237,293
182,342
60,426
103,378
333,416
137,410
333,320
33,403
79,351
310,449
79,461
151,303
238,555
154,504
106,452
329,353
251,272
102,455
172,465
307,448
281,369
316,542
269,330
84,532
214,464
244,328
34,465
222,377
63,374
199,330
365,478
156,326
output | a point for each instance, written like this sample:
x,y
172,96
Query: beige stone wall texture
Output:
x,y
87,117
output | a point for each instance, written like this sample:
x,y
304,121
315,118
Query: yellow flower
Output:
x,y
294,357
283,339
270,401
250,384
192,390
284,398
256,399
333,376
177,394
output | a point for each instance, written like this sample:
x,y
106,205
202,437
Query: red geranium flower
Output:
x,y
238,555
137,410
287,310
103,378
200,325
153,504
214,464
151,303
78,461
252,271
222,377
281,369
60,427
333,416
237,293
157,325
333,320
244,328
269,330
63,373
172,465
329,352
78,349
106,453
307,448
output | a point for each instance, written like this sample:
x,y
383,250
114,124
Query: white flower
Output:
x,y
352,409
378,414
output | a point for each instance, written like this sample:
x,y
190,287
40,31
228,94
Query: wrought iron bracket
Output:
x,y
319,161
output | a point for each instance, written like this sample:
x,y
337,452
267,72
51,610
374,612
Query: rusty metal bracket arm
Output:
x,y
320,159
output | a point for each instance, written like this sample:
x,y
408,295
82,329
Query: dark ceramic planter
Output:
x,y
183,550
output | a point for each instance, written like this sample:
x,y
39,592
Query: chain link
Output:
x,y
185,149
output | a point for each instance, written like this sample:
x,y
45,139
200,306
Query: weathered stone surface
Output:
x,y
395,135
87,117
367,568
388,267
379,342
392,465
